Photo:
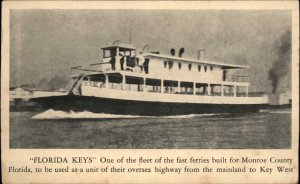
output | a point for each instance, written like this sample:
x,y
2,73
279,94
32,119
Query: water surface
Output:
x,y
264,130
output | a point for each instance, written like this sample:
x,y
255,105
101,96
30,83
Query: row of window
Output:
x,y
169,64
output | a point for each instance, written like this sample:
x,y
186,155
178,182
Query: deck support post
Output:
x,y
144,85
194,88
247,91
123,82
179,87
234,90
208,89
118,58
161,86
89,81
222,90
106,81
125,63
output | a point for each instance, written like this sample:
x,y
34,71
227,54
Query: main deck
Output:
x,y
126,81
168,96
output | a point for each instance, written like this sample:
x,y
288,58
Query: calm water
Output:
x,y
270,129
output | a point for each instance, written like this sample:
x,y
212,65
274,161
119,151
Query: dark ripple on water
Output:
x,y
265,130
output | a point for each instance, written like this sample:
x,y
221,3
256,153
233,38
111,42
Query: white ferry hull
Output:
x,y
142,104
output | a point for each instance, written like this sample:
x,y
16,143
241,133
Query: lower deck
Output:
x,y
144,96
130,81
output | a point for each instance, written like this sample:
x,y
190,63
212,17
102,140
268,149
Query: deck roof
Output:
x,y
223,65
120,45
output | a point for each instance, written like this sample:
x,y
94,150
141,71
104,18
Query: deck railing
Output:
x,y
236,78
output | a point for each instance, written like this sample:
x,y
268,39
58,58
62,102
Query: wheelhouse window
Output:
x,y
133,52
205,68
106,53
199,68
211,68
190,67
179,66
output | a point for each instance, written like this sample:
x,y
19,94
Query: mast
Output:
x,y
130,35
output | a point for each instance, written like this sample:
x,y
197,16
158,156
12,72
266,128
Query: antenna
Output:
x,y
130,35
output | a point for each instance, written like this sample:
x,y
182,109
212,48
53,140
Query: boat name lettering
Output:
x,y
83,159
39,160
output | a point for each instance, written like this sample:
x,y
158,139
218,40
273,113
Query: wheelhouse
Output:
x,y
120,57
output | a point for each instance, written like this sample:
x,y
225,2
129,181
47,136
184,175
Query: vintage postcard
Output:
x,y
150,92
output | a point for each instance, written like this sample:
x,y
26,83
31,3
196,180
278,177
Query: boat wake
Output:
x,y
192,115
52,114
277,111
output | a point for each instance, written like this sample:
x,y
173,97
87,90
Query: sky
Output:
x,y
46,43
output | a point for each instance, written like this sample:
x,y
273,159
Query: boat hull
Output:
x,y
131,107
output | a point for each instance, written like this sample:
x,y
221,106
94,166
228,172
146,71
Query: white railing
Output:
x,y
164,97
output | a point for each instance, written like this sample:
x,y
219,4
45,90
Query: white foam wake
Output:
x,y
281,112
273,111
192,115
52,114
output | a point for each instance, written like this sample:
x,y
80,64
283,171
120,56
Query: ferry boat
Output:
x,y
149,83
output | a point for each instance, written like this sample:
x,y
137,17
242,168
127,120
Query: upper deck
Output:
x,y
122,65
194,61
124,57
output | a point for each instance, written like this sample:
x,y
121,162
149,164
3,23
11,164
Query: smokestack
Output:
x,y
201,54
172,52
181,51
280,67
